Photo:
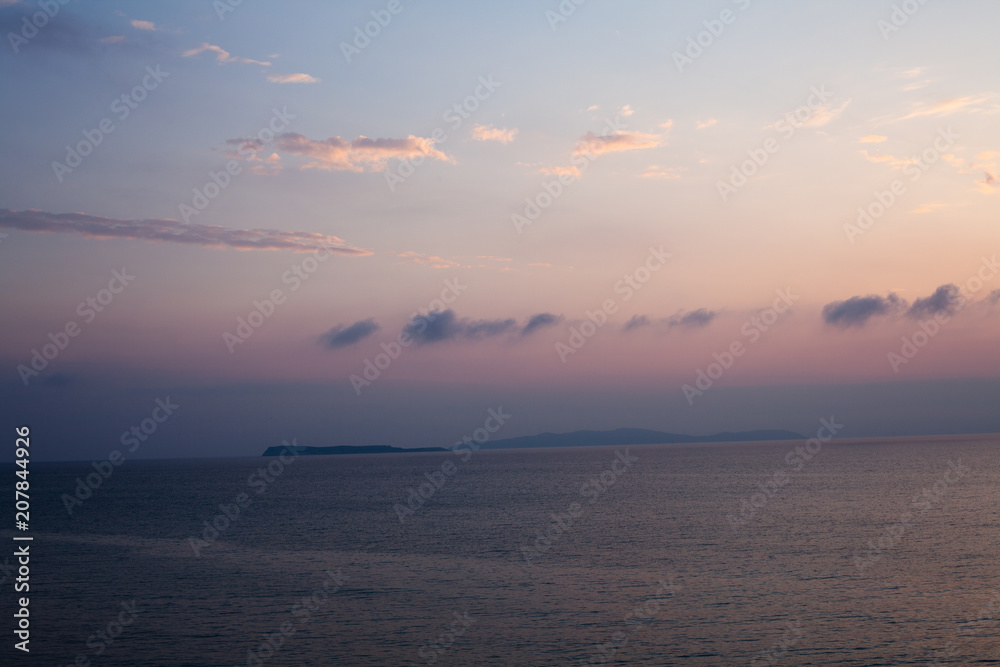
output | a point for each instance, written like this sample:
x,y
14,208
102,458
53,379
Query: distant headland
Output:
x,y
621,436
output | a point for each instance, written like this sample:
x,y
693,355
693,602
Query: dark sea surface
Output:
x,y
867,553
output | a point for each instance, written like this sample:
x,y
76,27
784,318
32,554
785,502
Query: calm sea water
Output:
x,y
877,553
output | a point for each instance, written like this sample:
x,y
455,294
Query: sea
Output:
x,y
848,552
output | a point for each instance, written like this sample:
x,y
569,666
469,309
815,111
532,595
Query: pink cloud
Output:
x,y
560,171
593,144
665,173
212,236
490,133
358,155
292,78
223,56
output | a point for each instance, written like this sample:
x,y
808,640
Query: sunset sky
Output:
x,y
532,165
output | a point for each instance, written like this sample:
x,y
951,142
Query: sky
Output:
x,y
371,222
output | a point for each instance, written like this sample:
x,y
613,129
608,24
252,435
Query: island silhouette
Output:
x,y
621,436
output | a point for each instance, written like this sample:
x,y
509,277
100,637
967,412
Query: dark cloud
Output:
x,y
434,327
341,336
62,32
692,320
857,310
944,300
994,296
540,321
444,326
637,322
488,328
695,319
71,34
212,236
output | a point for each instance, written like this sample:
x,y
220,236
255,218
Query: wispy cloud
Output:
x,y
344,336
637,322
361,154
704,125
885,158
916,85
594,144
438,327
33,220
462,262
984,165
540,321
433,261
143,25
929,207
695,319
873,139
971,104
944,300
560,171
988,185
444,326
826,115
666,173
490,133
292,78
222,56
858,310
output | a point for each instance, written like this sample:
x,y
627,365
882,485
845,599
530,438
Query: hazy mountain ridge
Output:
x,y
635,436
347,449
